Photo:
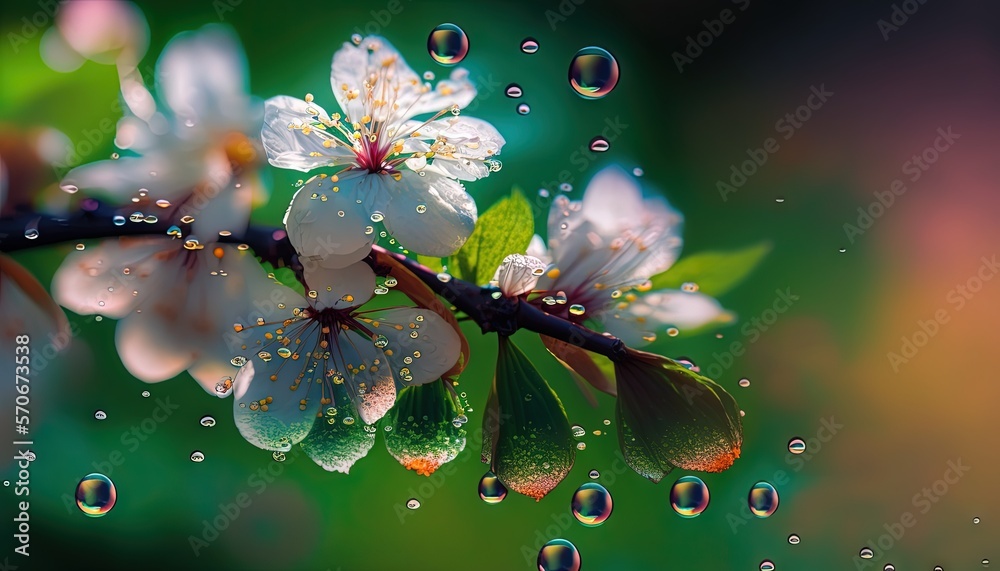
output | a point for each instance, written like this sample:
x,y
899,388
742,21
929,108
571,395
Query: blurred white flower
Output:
x,y
423,205
104,31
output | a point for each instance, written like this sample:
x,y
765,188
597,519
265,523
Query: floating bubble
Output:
x,y
689,496
794,539
558,555
763,499
491,489
145,394
523,109
593,72
413,503
599,144
529,45
100,415
866,553
207,421
592,504
448,44
96,495
889,567
767,565
796,446
514,91
744,383
779,200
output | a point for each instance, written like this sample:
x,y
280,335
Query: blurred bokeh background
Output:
x,y
862,293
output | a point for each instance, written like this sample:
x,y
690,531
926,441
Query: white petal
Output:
x,y
462,146
404,93
367,374
518,274
176,171
288,146
335,444
537,249
339,288
430,214
276,424
104,30
101,279
202,76
653,313
326,222
421,345
150,353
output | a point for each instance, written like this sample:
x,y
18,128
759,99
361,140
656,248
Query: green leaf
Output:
x,y
506,228
433,263
286,277
714,272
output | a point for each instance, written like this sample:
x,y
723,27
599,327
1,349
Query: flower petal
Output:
x,y
430,214
366,372
424,432
463,147
326,223
491,425
671,416
534,449
421,346
339,288
581,366
638,322
177,171
537,249
337,441
518,274
149,353
267,413
295,136
226,209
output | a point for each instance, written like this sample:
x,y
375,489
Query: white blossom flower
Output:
x,y
401,171
324,369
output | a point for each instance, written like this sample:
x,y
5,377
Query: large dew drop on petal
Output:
x,y
325,222
534,447
428,428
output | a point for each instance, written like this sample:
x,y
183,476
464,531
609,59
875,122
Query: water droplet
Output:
x,y
145,394
197,456
80,247
581,445
448,44
278,456
594,474
413,503
796,446
889,567
673,331
444,277
100,415
70,188
238,361
794,539
565,187
349,420
638,171
543,192
763,499
207,421
593,72
381,341
119,220
428,76
558,555
529,45
767,565
986,562
591,504
377,216
136,217
96,495
599,144
842,250
689,496
975,520
163,203
491,489
115,156
421,208
689,287
31,233
150,219
514,91
523,109
578,431
577,309
866,553
744,382
356,39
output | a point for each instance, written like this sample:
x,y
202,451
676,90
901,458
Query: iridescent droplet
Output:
x,y
577,309
866,553
558,555
599,144
96,495
794,539
100,415
767,565
491,489
207,421
523,109
514,91
413,503
197,456
763,499
689,496
448,44
593,72
591,504
796,446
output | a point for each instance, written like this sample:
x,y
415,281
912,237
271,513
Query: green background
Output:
x,y
825,357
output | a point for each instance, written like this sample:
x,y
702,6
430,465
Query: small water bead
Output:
x,y
428,76
136,217
197,456
413,503
938,568
581,445
559,555
577,309
491,489
638,171
31,233
599,144
975,520
744,382
348,420
689,496
794,539
689,287
673,331
842,250
118,220
523,109
529,45
444,277
565,187
96,495
593,72
779,200
448,44
163,203
592,504
278,456
207,421
80,247
421,208
866,553
594,474
377,216
238,361
543,192
578,431
150,219
145,394
763,499
767,565
889,567
796,446
70,188
986,562
514,91
356,39
100,415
